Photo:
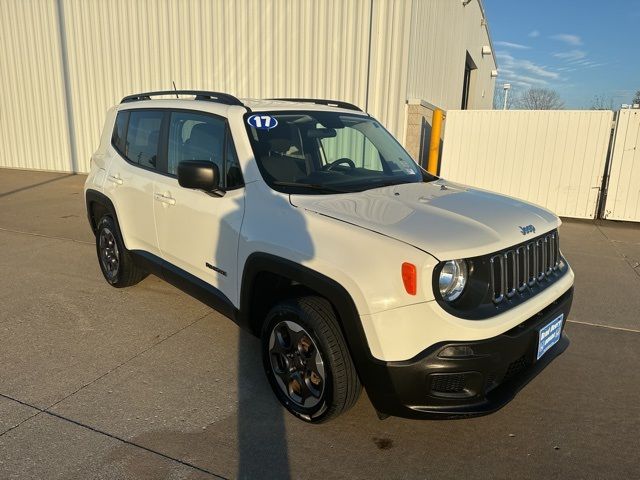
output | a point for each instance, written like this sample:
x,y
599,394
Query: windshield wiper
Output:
x,y
388,183
312,186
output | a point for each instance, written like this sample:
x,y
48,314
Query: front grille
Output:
x,y
524,266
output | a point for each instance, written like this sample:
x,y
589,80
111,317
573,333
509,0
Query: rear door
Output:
x,y
132,173
198,232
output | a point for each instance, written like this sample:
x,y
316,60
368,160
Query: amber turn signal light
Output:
x,y
410,278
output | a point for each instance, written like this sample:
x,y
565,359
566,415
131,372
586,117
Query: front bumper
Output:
x,y
428,386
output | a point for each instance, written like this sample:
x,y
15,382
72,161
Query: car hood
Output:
x,y
444,219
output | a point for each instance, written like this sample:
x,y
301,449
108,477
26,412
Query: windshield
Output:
x,y
328,152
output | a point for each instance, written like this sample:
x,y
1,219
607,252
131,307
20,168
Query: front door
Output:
x,y
198,232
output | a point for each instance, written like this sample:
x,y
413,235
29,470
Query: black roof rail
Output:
x,y
320,101
217,97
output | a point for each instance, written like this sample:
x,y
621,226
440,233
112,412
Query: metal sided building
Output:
x,y
63,63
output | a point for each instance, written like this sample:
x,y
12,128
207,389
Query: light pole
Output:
x,y
506,87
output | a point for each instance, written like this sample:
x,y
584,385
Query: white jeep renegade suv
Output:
x,y
307,223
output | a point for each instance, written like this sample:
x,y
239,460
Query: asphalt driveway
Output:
x,y
146,382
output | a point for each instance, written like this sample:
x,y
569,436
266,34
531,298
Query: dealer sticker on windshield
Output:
x,y
262,122
549,335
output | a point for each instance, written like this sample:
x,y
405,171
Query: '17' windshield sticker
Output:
x,y
262,122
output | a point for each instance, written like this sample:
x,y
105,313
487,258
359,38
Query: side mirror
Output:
x,y
199,175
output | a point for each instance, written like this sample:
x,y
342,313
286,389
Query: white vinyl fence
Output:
x,y
623,194
552,158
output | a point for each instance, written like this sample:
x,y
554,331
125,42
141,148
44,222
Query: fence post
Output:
x,y
604,187
434,144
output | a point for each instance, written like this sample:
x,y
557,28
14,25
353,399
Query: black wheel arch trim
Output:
x,y
93,197
348,317
259,262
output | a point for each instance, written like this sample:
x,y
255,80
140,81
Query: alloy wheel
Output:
x,y
109,255
297,364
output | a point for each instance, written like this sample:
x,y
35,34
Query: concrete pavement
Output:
x,y
146,382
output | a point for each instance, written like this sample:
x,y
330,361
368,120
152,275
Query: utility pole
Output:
x,y
506,87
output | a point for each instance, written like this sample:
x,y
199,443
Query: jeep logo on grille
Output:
x,y
527,229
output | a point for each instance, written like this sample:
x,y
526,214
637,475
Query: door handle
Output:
x,y
164,199
115,179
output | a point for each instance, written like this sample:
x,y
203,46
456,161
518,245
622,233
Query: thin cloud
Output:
x,y
517,46
524,79
518,83
568,38
591,64
539,70
534,33
571,55
576,59
509,62
523,72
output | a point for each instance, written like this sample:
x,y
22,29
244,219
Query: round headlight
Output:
x,y
453,278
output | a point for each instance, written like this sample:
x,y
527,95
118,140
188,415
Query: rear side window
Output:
x,y
120,131
143,135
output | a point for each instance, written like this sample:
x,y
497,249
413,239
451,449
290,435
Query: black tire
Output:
x,y
114,259
339,386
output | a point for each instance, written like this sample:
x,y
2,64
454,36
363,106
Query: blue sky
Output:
x,y
578,48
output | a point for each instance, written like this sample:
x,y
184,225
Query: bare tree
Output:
x,y
636,98
602,102
540,99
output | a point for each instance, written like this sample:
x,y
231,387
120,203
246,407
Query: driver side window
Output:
x,y
352,144
195,137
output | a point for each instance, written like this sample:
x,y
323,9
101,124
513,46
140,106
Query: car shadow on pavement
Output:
x,y
29,187
260,449
262,437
